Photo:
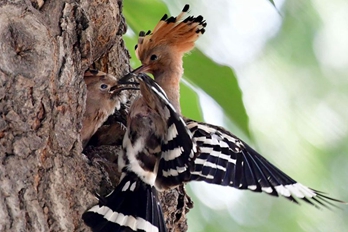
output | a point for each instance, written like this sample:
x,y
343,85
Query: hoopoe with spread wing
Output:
x,y
102,100
161,150
223,158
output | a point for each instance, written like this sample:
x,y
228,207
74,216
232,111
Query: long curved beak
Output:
x,y
141,69
125,79
116,89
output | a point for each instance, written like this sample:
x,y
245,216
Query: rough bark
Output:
x,y
46,182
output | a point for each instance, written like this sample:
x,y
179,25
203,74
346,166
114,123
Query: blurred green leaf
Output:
x,y
143,15
190,103
220,83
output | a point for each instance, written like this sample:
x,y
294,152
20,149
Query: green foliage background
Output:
x,y
287,102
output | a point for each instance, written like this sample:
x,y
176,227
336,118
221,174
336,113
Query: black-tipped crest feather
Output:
x,y
173,32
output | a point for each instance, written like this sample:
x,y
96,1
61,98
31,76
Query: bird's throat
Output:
x,y
170,83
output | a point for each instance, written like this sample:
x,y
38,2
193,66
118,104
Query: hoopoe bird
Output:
x,y
222,158
162,150
153,127
102,101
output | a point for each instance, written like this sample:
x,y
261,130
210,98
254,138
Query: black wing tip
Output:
x,y
325,200
272,176
319,201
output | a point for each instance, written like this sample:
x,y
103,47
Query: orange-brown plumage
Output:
x,y
161,51
174,32
101,102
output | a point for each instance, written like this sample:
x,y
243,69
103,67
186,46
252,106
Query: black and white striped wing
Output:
x,y
226,160
178,153
132,206
178,150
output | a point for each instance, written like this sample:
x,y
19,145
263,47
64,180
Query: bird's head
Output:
x,y
165,46
100,103
100,85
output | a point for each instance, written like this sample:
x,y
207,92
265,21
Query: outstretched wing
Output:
x,y
132,206
226,160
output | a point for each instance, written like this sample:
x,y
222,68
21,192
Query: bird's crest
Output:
x,y
174,32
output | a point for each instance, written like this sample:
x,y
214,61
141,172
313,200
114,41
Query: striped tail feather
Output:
x,y
132,206
226,160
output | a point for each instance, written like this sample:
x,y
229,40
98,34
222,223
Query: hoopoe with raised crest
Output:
x,y
162,150
223,158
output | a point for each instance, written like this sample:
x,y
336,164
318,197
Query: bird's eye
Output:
x,y
103,86
153,57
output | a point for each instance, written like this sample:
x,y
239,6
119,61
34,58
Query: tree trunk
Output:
x,y
46,182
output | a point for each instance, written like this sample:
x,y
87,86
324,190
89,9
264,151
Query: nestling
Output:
x,y
102,100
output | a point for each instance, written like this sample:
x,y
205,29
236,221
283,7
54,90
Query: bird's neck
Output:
x,y
169,80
